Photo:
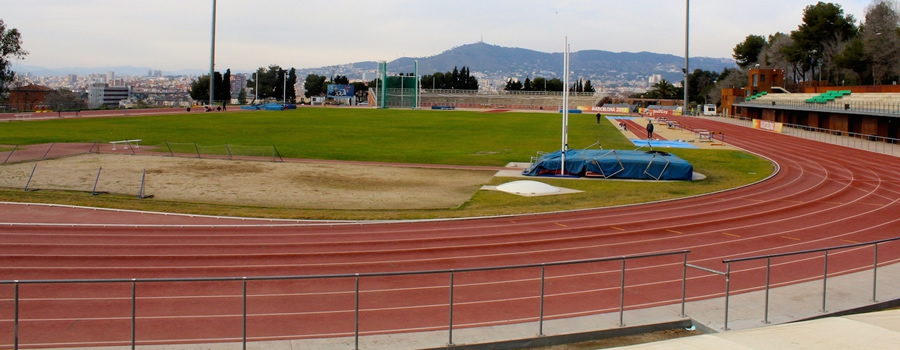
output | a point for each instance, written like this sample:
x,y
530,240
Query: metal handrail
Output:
x,y
769,258
845,138
844,106
356,277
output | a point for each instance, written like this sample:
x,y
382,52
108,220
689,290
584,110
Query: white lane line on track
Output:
x,y
536,250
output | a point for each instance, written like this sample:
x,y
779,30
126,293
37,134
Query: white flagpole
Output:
x,y
565,109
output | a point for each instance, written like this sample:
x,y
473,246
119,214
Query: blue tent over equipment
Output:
x,y
617,164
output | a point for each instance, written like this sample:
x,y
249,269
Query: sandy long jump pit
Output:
x,y
293,185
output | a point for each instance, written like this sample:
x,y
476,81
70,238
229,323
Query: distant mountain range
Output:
x,y
492,61
502,62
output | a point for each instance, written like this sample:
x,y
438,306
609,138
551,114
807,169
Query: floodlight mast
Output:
x,y
212,58
565,110
687,26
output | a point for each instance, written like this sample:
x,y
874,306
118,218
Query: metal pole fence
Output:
x,y
10,154
450,340
133,314
826,251
244,280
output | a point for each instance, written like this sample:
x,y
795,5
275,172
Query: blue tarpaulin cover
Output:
x,y
617,164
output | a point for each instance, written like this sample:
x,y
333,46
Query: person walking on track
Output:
x,y
650,130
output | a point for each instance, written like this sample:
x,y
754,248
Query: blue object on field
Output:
x,y
572,111
662,143
618,164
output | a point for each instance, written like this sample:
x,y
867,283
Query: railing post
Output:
x,y
450,339
133,314
622,297
16,317
683,284
875,275
768,269
825,283
244,313
727,291
541,318
356,315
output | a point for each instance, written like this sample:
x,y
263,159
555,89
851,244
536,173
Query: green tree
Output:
x,y
747,52
700,83
819,39
223,87
291,95
513,84
314,85
242,97
200,87
587,87
272,83
65,100
528,85
882,43
10,47
340,79
663,89
458,79
855,60
555,84
540,84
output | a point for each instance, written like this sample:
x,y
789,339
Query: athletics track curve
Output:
x,y
823,195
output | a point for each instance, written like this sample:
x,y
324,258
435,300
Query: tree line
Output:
x,y
701,87
458,79
200,87
829,46
275,82
544,84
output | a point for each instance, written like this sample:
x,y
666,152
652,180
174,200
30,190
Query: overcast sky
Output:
x,y
175,34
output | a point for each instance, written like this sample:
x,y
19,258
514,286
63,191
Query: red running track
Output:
x,y
823,195
638,130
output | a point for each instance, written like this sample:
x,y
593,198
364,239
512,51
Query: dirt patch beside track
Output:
x,y
292,185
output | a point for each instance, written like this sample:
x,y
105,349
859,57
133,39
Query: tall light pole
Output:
x,y
687,27
256,90
212,58
565,111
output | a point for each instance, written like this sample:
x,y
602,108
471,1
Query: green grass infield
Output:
x,y
428,137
